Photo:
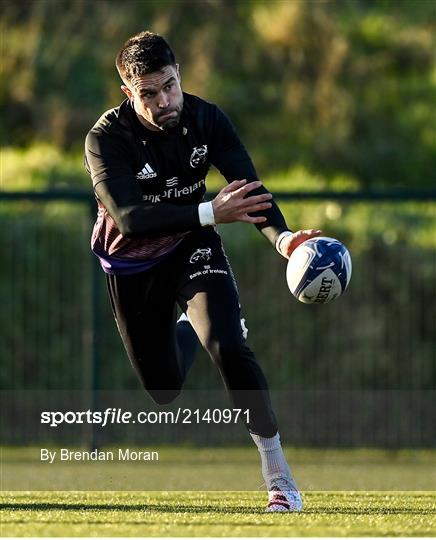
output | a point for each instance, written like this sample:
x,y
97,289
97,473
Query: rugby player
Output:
x,y
157,241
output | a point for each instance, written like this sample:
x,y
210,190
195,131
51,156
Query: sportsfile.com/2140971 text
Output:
x,y
114,415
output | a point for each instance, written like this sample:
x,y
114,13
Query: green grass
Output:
x,y
222,469
215,514
346,493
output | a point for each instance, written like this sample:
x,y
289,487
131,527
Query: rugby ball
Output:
x,y
319,270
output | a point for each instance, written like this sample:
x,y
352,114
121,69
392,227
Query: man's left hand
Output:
x,y
289,243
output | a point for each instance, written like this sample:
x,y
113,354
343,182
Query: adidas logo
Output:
x,y
146,173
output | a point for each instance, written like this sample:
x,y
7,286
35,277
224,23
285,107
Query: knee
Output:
x,y
162,387
163,397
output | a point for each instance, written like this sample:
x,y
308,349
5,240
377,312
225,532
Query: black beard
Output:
x,y
170,124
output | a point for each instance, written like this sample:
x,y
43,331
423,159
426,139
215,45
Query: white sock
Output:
x,y
273,460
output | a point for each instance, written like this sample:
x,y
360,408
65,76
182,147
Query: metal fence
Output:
x,y
359,371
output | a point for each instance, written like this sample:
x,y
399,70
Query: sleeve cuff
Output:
x,y
280,238
205,214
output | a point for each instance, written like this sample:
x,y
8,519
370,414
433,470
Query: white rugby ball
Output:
x,y
319,270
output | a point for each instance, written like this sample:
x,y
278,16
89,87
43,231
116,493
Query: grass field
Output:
x,y
215,514
376,493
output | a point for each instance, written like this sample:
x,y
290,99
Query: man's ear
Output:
x,y
127,91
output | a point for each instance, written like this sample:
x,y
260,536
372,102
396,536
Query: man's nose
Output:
x,y
163,100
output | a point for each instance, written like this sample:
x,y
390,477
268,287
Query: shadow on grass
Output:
x,y
204,509
174,508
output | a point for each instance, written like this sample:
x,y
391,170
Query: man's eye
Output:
x,y
169,86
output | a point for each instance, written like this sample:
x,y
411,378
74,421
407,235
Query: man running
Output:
x,y
157,241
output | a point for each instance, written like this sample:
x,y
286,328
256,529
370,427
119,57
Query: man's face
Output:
x,y
157,97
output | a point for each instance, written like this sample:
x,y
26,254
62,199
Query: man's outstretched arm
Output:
x,y
118,190
233,161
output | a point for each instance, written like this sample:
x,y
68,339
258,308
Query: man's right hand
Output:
x,y
230,205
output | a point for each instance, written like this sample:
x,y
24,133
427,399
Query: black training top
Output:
x,y
148,184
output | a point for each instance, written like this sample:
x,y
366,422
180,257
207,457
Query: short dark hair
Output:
x,y
143,53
